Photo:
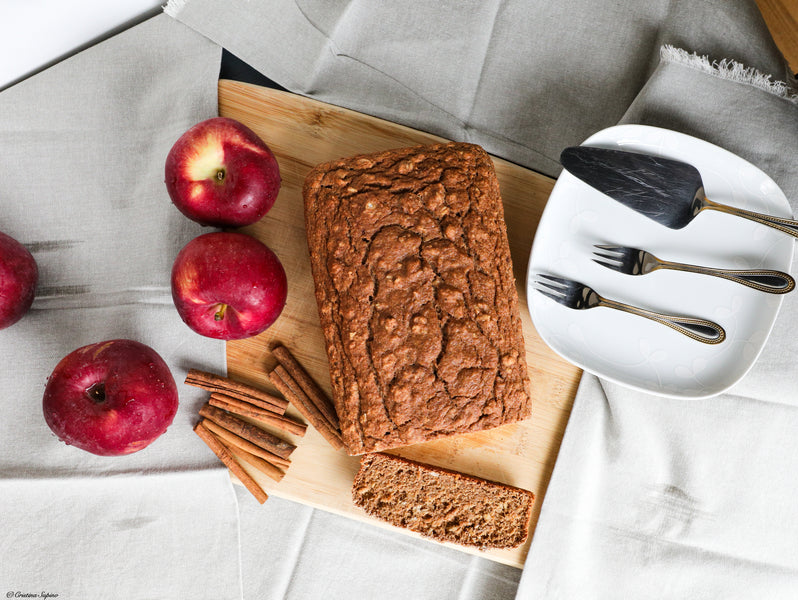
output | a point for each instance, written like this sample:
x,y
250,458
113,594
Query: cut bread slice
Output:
x,y
441,504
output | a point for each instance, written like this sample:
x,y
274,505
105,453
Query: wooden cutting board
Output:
x,y
302,133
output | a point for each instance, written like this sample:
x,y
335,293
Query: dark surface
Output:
x,y
236,69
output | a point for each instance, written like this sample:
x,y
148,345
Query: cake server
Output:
x,y
668,191
633,261
580,296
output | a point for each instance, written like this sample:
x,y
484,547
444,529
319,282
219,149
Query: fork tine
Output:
x,y
615,266
612,257
611,248
557,298
542,286
560,280
552,282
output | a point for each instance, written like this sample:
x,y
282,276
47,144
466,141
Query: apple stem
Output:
x,y
96,392
220,175
220,312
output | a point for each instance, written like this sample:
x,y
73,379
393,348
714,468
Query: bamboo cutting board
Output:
x,y
302,133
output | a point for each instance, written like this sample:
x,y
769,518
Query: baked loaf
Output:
x,y
441,504
416,295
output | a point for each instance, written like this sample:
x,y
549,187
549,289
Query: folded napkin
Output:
x,y
84,144
650,498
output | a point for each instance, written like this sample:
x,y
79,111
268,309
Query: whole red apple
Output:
x,y
18,277
228,285
110,398
221,173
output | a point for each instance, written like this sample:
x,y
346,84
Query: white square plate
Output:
x,y
634,351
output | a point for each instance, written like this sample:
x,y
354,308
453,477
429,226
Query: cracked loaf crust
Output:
x,y
441,504
416,295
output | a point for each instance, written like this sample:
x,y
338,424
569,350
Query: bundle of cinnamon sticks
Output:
x,y
227,419
304,393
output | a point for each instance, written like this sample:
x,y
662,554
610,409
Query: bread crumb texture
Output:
x,y
441,504
416,295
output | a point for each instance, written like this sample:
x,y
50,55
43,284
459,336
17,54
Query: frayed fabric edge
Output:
x,y
730,70
173,7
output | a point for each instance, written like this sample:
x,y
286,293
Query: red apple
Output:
x,y
18,277
110,398
228,285
220,173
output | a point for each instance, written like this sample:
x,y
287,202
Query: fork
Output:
x,y
579,296
633,261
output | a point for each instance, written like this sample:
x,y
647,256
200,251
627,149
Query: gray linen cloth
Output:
x,y
83,147
650,498
523,78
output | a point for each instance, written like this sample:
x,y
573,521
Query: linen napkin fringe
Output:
x,y
731,70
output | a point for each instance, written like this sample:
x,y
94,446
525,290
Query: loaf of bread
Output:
x,y
416,295
441,504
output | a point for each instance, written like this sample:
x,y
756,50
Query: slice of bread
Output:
x,y
441,504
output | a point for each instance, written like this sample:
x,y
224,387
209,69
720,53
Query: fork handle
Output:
x,y
700,330
763,280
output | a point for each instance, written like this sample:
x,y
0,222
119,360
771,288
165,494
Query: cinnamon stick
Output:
x,y
291,390
221,451
261,465
245,409
236,440
250,432
312,389
217,383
